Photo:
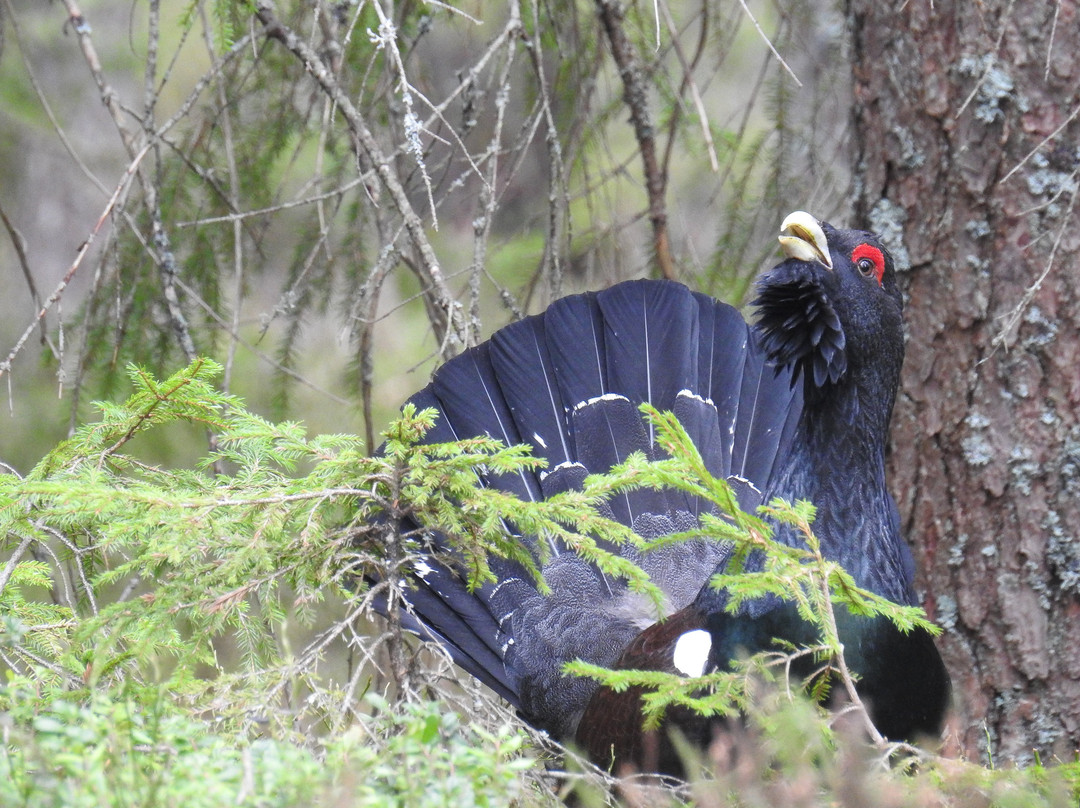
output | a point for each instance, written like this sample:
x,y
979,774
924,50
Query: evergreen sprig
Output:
x,y
153,568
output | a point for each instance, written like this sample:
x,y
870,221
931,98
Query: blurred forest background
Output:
x,y
329,198
508,136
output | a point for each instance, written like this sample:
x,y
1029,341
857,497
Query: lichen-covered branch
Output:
x,y
451,330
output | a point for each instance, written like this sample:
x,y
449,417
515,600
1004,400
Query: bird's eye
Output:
x,y
870,261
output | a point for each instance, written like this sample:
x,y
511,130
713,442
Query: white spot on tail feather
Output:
x,y
691,394
566,464
606,397
692,652
539,441
501,584
739,478
423,569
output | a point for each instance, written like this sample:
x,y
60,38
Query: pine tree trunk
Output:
x,y
967,122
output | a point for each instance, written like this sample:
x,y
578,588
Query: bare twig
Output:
x,y
19,243
688,82
13,560
990,63
487,201
78,23
362,318
1011,320
558,203
772,48
12,19
277,366
166,259
121,189
386,40
635,95
1050,39
234,204
1039,146
241,215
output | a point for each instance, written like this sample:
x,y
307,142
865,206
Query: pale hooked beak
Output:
x,y
802,238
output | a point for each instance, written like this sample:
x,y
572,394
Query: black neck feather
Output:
x,y
848,360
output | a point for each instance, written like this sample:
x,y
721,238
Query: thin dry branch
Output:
x,y
166,259
13,560
261,355
635,95
1038,147
1050,39
558,194
1013,318
688,83
488,198
10,18
772,48
233,175
19,243
991,63
121,189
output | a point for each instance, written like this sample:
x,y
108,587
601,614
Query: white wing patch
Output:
x,y
692,652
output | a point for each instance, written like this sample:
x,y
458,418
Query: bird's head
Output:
x,y
833,306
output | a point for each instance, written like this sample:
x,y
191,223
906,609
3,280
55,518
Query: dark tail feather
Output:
x,y
761,424
441,607
444,610
521,363
470,396
651,332
577,350
721,361
651,339
611,351
615,429
698,416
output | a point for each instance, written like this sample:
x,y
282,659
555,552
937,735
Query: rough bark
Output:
x,y
967,120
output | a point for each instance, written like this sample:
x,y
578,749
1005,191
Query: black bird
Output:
x,y
797,406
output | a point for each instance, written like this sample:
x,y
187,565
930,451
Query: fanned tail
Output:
x,y
568,382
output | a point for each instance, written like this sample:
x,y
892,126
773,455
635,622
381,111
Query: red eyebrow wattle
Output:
x,y
874,254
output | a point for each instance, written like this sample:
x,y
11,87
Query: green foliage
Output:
x,y
432,757
267,527
172,593
148,620
114,751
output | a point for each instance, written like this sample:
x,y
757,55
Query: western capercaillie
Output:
x,y
796,406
